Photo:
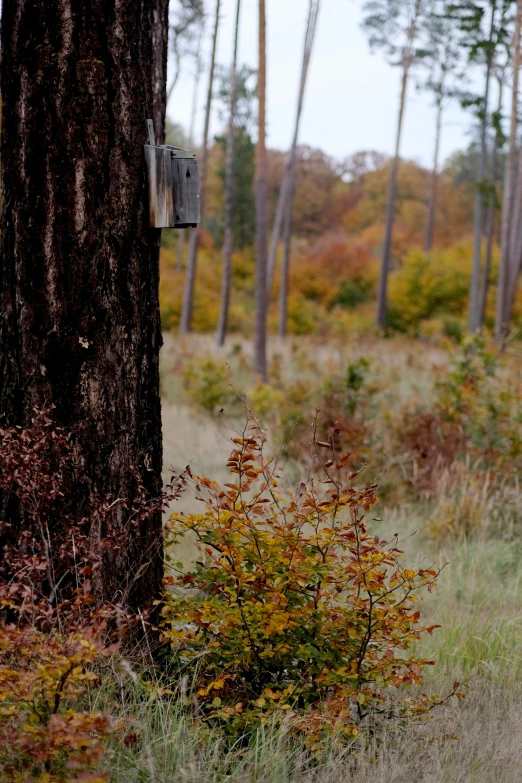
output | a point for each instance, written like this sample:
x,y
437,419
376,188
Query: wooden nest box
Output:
x,y
173,179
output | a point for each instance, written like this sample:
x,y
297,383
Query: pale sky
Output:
x,y
351,99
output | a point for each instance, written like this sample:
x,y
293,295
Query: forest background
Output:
x,y
339,214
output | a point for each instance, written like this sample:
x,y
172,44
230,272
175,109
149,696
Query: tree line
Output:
x,y
466,52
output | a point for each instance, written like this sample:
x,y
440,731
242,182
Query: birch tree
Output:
x,y
394,27
190,278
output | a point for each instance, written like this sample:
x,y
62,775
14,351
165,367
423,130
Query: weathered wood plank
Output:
x,y
173,180
185,188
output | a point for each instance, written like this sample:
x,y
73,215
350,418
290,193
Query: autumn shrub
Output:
x,y
58,641
46,734
426,285
294,612
206,383
474,416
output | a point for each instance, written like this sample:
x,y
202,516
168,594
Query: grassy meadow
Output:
x,y
436,425
456,507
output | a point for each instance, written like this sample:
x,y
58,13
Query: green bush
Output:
x,y
206,383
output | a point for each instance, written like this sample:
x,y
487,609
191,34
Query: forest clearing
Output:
x,y
260,391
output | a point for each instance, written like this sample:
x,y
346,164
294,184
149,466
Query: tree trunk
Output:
x,y
260,363
160,44
490,221
190,279
509,186
195,94
228,241
382,294
474,305
408,54
515,248
432,204
79,324
179,249
285,272
192,143
291,158
490,228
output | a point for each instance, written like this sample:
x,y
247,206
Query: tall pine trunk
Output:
x,y
285,272
228,242
288,175
515,251
474,304
79,316
509,187
382,293
432,203
190,278
260,361
492,207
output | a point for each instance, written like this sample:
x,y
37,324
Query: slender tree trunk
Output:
x,y
190,279
228,242
382,294
515,248
490,221
192,143
490,228
432,204
195,94
79,314
474,304
509,186
285,272
260,361
180,245
160,43
292,155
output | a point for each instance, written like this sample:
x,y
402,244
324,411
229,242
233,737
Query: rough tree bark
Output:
x,y
474,303
382,293
509,187
228,241
79,321
288,175
190,279
260,363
